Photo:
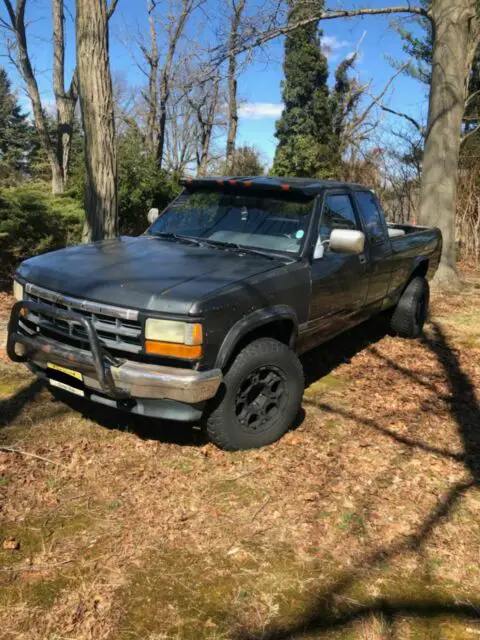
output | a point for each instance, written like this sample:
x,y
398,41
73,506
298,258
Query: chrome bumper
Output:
x,y
120,379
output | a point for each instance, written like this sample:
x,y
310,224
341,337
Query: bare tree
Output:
x,y
175,30
152,58
96,100
456,37
65,100
22,60
181,138
57,150
205,106
237,9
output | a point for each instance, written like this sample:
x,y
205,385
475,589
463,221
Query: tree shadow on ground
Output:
x,y
328,611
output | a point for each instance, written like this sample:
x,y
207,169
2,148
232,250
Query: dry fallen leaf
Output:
x,y
10,544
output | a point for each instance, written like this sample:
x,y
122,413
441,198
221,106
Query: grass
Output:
x,y
361,523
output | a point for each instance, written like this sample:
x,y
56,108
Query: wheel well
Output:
x,y
281,330
420,270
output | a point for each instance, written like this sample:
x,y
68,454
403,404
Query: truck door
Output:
x,y
379,249
339,280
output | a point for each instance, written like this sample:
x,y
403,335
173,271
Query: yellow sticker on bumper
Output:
x,y
69,372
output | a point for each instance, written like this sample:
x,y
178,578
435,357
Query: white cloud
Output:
x,y
332,45
259,110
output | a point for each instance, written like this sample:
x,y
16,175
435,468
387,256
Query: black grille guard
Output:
x,y
101,360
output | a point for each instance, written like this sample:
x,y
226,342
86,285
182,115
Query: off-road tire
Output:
x,y
271,363
411,312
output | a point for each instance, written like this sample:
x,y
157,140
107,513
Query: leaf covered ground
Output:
x,y
363,522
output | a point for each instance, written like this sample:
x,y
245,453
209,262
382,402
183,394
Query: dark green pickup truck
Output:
x,y
203,317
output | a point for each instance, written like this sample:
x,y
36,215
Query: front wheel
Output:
x,y
262,394
411,312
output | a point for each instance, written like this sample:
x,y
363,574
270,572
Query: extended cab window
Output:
x,y
338,213
272,221
371,216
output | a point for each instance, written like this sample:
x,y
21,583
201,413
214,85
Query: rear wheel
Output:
x,y
261,397
411,312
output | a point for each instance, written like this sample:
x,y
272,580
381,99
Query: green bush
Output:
x,y
32,222
141,184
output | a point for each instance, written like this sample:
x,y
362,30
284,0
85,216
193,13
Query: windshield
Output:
x,y
277,222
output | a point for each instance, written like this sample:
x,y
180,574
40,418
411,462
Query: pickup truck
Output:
x,y
204,316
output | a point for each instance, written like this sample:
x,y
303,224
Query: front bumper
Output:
x,y
118,379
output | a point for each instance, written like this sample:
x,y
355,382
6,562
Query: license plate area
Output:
x,y
71,373
65,379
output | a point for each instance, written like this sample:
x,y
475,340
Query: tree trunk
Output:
x,y
65,102
206,126
232,82
162,127
175,33
232,114
17,19
153,60
454,36
96,99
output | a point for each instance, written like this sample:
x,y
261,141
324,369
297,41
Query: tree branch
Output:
x,y
111,9
416,124
11,12
469,135
263,38
471,98
376,100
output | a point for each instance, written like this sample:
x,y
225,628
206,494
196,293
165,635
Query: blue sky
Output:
x,y
259,84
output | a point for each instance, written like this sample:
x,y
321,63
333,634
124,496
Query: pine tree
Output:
x,y
344,101
304,130
15,131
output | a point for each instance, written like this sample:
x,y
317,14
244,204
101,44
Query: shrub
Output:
x,y
141,184
33,222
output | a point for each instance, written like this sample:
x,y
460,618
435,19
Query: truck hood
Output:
x,y
146,273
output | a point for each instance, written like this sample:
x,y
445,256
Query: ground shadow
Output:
x,y
328,612
14,405
340,350
167,431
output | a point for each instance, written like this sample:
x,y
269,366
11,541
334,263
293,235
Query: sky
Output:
x,y
259,84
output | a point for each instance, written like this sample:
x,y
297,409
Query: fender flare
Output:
x,y
416,263
251,322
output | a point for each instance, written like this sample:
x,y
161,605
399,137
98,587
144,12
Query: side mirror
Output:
x,y
347,241
152,215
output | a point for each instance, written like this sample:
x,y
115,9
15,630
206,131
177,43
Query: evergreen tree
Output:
x,y
304,130
344,101
16,135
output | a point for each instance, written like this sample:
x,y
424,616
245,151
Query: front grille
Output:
x,y
117,328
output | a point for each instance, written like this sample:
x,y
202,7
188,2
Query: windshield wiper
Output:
x,y
175,236
240,247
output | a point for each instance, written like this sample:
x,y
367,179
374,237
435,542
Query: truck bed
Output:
x,y
398,230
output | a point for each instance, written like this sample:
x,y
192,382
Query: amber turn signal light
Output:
x,y
173,350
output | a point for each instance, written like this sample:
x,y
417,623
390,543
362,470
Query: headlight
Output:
x,y
174,339
17,290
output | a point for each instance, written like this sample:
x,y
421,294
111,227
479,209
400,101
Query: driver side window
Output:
x,y
338,213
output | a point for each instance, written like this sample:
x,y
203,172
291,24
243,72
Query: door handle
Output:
x,y
362,258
